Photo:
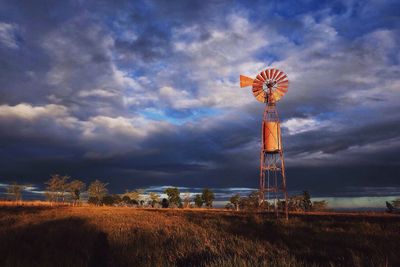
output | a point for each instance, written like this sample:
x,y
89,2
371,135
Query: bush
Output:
x,y
108,200
198,200
126,200
174,198
208,197
320,205
94,201
165,203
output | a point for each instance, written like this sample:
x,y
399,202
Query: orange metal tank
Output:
x,y
271,136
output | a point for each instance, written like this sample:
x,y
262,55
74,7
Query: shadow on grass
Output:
x,y
64,242
337,240
25,209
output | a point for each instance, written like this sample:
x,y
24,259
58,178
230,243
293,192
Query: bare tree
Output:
x,y
186,200
97,190
75,189
56,187
235,200
134,196
15,190
154,198
63,186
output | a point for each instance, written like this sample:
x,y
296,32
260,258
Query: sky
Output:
x,y
145,94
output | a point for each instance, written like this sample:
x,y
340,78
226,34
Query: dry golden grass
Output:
x,y
33,203
110,236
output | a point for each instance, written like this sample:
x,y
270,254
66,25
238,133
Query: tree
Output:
x,y
93,201
173,196
396,203
15,190
107,200
97,190
229,206
111,200
75,188
208,197
154,198
52,187
165,203
320,205
134,196
126,200
56,187
198,200
306,203
186,200
295,203
251,201
235,200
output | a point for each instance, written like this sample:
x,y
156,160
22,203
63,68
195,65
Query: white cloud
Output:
x,y
28,112
57,122
122,78
301,125
181,99
97,93
215,62
102,125
7,35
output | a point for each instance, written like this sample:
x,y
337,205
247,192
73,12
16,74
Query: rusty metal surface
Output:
x,y
245,81
272,165
269,87
273,82
270,140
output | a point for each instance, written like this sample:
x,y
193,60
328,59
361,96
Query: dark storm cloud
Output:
x,y
332,142
145,93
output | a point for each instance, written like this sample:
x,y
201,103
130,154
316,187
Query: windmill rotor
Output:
x,y
269,86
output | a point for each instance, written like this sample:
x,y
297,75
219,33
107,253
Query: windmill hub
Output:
x,y
269,87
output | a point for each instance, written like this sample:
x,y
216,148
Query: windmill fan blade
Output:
x,y
272,73
282,90
263,74
279,75
245,81
257,90
276,96
282,83
261,97
277,72
260,78
281,78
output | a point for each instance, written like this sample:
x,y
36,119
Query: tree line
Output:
x,y
59,189
295,203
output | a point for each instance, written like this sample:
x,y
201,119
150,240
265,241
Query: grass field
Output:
x,y
101,236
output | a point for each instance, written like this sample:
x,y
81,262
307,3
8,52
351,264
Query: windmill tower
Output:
x,y
269,87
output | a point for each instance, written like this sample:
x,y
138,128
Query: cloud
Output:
x,y
301,125
96,93
112,93
26,111
8,35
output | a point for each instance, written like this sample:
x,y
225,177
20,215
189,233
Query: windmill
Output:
x,y
269,87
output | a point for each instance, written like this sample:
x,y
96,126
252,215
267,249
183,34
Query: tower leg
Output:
x,y
284,186
262,181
